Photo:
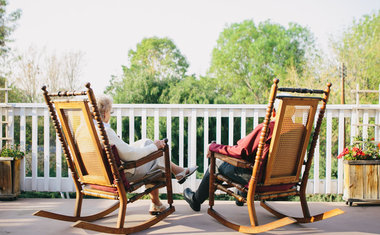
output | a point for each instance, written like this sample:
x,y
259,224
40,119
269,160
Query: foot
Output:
x,y
182,176
237,202
156,209
188,194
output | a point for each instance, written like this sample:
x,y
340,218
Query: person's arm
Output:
x,y
235,151
244,148
126,151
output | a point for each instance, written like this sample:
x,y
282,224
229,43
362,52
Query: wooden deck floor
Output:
x,y
16,218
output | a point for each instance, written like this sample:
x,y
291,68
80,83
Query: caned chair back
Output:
x,y
82,138
290,139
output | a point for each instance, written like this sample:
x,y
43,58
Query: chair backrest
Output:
x,y
290,138
82,138
85,146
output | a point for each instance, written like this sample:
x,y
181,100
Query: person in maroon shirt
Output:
x,y
244,149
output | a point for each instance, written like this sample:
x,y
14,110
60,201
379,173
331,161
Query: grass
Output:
x,y
223,197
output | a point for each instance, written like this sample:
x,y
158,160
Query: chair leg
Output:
x,y
78,203
125,230
93,217
305,219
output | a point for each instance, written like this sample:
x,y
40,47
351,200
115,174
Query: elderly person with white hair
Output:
x,y
137,150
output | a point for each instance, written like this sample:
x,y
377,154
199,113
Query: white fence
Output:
x,y
29,125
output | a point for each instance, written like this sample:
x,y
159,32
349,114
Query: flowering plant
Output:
x,y
362,150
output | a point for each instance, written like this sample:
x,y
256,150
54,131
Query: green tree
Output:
x,y
248,56
7,25
359,49
191,90
155,66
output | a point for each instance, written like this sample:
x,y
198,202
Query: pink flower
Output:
x,y
342,154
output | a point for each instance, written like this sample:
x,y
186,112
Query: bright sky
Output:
x,y
106,30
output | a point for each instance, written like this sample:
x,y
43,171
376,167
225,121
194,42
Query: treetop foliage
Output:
x,y
359,50
155,66
248,56
7,25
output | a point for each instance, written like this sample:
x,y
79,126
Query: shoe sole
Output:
x,y
181,181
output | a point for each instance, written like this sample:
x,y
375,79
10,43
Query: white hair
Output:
x,y
104,103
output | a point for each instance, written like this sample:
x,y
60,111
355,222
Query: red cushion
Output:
x,y
274,188
118,163
121,172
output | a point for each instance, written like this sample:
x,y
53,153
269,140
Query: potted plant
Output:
x,y
10,158
361,171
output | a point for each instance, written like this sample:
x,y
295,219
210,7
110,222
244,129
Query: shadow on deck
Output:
x,y
16,218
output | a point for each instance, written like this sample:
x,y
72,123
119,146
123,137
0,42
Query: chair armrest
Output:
x,y
234,161
142,161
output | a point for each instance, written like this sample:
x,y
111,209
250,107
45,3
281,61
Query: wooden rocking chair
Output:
x,y
95,166
279,174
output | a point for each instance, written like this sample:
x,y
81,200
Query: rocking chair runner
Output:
x,y
279,174
95,166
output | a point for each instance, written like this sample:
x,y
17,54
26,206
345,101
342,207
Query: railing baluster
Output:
x,y
22,145
156,124
193,153
131,126
11,125
365,125
218,126
354,121
340,149
255,119
169,127
230,127
328,151
119,123
46,150
316,165
143,124
181,138
205,141
58,163
243,128
34,148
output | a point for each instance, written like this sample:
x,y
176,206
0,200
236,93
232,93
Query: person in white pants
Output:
x,y
137,150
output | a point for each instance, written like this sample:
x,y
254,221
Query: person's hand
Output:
x,y
160,144
208,151
208,154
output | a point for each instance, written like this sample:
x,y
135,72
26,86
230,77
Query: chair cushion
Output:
x,y
121,173
274,188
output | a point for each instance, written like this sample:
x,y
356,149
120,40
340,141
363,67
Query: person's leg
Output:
x,y
195,199
175,168
155,198
240,175
156,207
236,174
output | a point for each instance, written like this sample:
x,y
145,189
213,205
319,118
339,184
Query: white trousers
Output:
x,y
149,167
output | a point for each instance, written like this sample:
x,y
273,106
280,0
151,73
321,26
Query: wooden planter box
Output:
x,y
9,178
361,181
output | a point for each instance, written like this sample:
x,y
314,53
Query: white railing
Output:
x,y
31,123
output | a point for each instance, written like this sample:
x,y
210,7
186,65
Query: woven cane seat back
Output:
x,y
82,138
290,138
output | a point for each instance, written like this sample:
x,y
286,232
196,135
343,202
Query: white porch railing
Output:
x,y
29,125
